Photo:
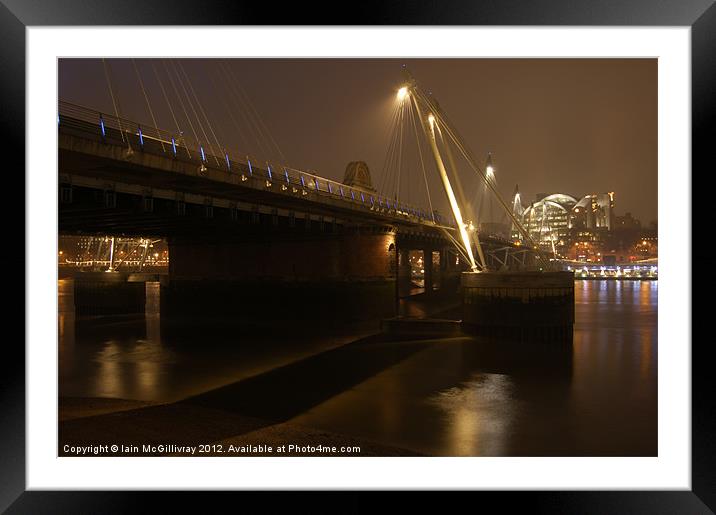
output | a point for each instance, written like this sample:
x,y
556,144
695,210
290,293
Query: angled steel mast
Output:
x,y
433,118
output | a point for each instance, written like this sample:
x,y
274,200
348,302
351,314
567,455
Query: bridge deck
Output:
x,y
93,149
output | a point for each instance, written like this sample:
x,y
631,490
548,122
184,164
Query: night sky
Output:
x,y
573,126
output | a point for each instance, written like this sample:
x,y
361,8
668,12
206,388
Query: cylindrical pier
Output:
x,y
525,306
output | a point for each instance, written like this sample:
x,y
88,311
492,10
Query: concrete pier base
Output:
x,y
523,306
108,294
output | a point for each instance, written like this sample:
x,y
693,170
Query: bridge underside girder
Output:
x,y
92,162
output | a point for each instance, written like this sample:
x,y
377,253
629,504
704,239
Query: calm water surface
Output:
x,y
456,396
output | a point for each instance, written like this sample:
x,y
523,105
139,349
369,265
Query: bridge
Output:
x,y
243,233
229,220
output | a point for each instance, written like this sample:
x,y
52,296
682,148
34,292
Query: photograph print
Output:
x,y
357,257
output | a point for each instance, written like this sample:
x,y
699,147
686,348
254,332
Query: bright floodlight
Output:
x,y
490,170
402,93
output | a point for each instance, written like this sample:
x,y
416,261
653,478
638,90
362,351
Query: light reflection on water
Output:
x,y
128,357
598,397
479,412
457,396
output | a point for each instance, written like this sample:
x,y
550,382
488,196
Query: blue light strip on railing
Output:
x,y
395,205
268,166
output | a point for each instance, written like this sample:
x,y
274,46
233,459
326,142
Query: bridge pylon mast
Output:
x,y
429,122
439,118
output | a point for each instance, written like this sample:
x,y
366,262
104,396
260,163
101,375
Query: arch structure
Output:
x,y
549,219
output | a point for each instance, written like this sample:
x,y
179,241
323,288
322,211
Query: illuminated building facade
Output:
x,y
594,211
547,220
558,221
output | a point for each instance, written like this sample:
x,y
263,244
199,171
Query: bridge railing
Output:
x,y
180,146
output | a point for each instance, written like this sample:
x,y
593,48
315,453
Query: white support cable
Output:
x,y
211,72
114,102
181,102
169,105
261,121
458,247
428,127
198,120
451,164
251,111
471,161
422,163
146,99
391,133
400,154
245,113
208,122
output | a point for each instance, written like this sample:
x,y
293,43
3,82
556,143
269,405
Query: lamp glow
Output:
x,y
402,93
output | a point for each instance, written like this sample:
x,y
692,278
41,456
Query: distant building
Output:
x,y
561,223
626,222
547,220
594,211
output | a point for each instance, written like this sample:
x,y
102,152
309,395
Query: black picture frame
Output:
x,y
16,15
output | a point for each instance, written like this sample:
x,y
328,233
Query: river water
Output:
x,y
446,397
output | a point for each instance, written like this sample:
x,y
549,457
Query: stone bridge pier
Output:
x,y
441,268
313,278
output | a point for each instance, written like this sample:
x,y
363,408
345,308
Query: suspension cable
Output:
x,y
420,155
391,133
400,153
114,102
211,72
471,161
208,122
261,122
146,99
181,102
196,116
169,105
245,113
